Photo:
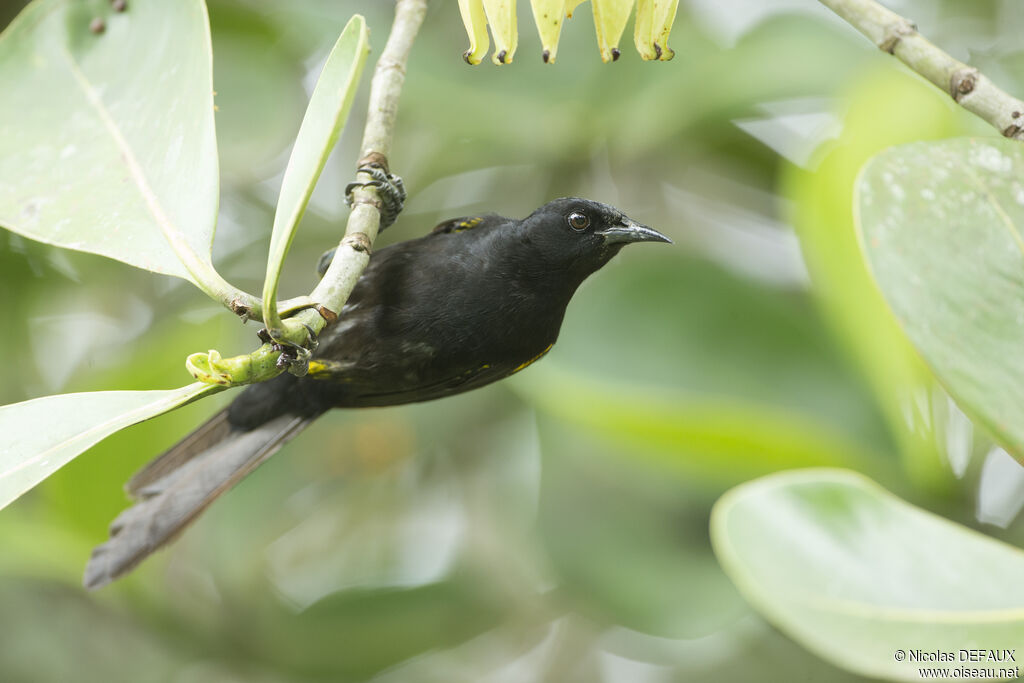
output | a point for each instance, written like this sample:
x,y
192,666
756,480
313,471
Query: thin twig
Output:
x,y
353,253
971,89
364,220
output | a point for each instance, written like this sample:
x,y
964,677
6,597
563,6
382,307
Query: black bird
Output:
x,y
474,301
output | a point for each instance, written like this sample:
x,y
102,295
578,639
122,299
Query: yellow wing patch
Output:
x,y
459,224
467,224
534,359
328,370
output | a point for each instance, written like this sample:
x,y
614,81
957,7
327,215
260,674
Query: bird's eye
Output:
x,y
578,221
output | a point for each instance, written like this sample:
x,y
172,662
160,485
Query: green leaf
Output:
x,y
321,126
107,140
888,107
854,573
941,225
44,434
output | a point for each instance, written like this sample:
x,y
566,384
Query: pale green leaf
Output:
x,y
42,435
321,126
855,574
107,138
941,224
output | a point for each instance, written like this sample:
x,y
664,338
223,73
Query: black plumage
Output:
x,y
474,301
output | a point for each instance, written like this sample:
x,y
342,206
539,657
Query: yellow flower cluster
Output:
x,y
653,23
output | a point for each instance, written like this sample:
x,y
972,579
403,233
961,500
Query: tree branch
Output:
x,y
971,89
364,220
353,252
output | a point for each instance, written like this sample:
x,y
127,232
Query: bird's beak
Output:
x,y
628,231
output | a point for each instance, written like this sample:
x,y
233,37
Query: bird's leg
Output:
x,y
294,357
390,189
389,186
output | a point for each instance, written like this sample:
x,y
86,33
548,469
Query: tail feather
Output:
x,y
207,435
176,487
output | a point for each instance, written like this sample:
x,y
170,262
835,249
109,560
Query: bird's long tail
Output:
x,y
176,487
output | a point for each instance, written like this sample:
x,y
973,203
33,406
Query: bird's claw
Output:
x,y
294,357
389,186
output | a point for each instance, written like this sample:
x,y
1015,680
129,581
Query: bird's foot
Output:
x,y
389,186
294,357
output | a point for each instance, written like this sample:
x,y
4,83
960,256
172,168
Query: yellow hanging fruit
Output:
x,y
665,16
654,20
501,15
610,17
571,5
476,27
549,15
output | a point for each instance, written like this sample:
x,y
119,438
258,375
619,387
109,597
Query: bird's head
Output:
x,y
581,235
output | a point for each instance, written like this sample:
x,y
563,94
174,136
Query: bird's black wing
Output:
x,y
419,324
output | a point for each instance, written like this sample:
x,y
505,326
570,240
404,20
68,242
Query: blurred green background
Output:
x,y
552,527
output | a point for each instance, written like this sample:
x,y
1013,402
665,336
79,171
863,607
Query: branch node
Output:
x,y
894,33
966,85
392,65
369,201
374,158
329,316
358,241
240,309
962,82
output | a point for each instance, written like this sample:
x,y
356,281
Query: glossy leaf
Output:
x,y
321,126
107,140
863,578
44,434
941,225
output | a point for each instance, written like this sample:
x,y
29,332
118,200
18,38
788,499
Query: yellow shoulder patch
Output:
x,y
459,224
468,224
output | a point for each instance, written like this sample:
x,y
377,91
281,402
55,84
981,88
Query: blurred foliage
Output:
x,y
553,527
887,107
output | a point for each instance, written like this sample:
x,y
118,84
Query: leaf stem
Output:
x,y
968,87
